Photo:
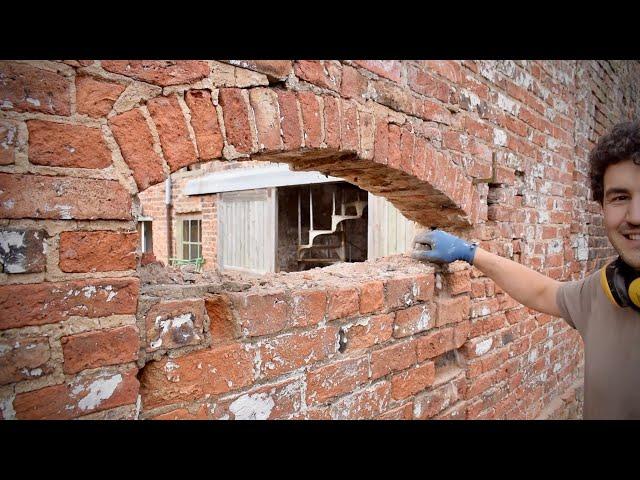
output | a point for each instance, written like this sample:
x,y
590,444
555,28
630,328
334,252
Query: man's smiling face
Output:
x,y
621,209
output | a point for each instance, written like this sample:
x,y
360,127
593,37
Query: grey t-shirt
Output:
x,y
611,337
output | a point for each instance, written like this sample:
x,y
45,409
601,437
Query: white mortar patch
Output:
x,y
100,390
252,407
484,346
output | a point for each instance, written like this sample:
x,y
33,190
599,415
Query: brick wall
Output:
x,y
493,151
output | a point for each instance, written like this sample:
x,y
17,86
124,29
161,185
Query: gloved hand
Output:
x,y
445,247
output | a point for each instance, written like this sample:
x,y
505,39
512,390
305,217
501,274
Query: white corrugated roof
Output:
x,y
274,175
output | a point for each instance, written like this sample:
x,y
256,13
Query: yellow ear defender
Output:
x,y
621,284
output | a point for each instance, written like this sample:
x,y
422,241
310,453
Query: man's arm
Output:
x,y
526,286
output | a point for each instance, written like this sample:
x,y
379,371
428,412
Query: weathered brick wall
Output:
x,y
493,151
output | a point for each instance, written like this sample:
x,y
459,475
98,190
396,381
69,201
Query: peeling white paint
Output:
x,y
4,348
8,204
99,390
11,239
549,330
484,346
533,355
6,405
171,323
88,291
33,101
252,407
425,319
557,367
508,105
499,137
6,104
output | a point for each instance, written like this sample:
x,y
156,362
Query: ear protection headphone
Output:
x,y
621,284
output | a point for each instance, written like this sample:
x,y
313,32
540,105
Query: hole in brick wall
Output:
x,y
448,366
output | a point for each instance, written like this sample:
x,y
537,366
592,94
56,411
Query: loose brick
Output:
x,y
24,359
264,103
62,198
369,331
324,74
159,72
261,314
62,145
22,250
174,324
336,379
435,344
8,141
308,307
282,400
310,119
101,348
424,287
431,403
399,292
236,119
205,124
97,251
393,358
452,310
43,303
289,120
410,382
391,69
367,403
416,319
132,133
83,395
371,297
458,282
96,97
291,351
172,130
30,89
342,303
212,371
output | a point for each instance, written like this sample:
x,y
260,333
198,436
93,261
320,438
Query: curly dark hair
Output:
x,y
621,143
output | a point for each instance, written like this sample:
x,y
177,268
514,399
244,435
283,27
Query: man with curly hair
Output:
x,y
605,306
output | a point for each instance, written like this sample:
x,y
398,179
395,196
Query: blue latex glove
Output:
x,y
445,248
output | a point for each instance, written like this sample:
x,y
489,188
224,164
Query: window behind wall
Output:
x,y
190,238
145,234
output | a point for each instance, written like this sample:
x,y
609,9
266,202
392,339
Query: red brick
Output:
x,y
447,68
393,358
204,121
461,333
393,152
458,282
310,119
83,395
381,147
212,371
371,297
282,400
222,326
406,149
349,126
132,133
290,121
434,112
391,69
288,352
452,310
261,314
159,72
336,379
399,292
174,324
365,404
8,141
236,119
62,145
265,109
369,331
342,303
65,198
100,348
172,130
408,383
435,344
276,69
24,359
416,319
404,412
425,84
22,250
353,85
433,402
43,303
96,97
332,121
308,307
325,74
97,251
424,287
183,414
30,89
